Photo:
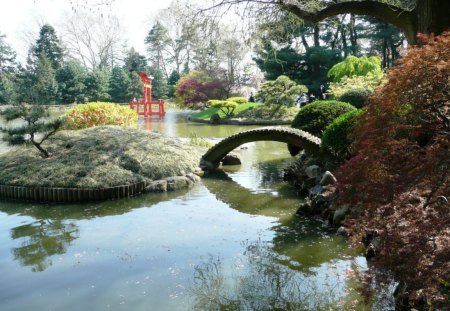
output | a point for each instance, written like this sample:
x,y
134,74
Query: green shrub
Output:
x,y
239,100
370,82
315,117
226,106
98,114
356,97
266,112
282,91
336,140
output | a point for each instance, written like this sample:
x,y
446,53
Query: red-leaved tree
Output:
x,y
197,87
398,182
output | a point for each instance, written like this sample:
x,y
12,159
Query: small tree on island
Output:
x,y
36,126
282,91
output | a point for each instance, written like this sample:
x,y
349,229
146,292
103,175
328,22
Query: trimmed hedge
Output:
x,y
356,97
335,138
99,114
315,117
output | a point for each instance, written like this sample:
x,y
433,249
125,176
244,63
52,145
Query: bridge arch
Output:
x,y
211,159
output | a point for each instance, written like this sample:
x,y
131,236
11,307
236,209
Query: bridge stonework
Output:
x,y
211,159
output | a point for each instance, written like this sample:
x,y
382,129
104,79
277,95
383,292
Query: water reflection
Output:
x,y
42,239
302,243
260,282
53,227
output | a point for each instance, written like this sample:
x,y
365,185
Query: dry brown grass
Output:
x,y
99,157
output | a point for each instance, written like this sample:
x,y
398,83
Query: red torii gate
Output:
x,y
144,108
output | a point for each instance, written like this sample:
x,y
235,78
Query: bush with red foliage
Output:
x,y
398,182
196,88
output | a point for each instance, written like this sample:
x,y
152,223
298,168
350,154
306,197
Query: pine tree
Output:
x,y
49,45
44,87
97,85
157,41
35,120
7,56
119,84
71,77
159,84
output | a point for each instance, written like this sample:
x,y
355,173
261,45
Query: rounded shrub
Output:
x,y
356,97
98,114
315,117
336,140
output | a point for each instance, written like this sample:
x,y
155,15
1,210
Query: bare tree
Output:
x,y
93,38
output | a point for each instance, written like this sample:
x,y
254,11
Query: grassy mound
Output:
x,y
207,113
99,157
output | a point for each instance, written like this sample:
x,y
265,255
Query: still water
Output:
x,y
232,242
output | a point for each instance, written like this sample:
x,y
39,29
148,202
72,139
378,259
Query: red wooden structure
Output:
x,y
145,107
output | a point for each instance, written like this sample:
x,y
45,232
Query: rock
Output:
x,y
193,177
214,119
341,231
305,208
327,179
312,171
157,186
232,158
178,182
340,214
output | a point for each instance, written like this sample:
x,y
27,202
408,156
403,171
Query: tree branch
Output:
x,y
403,19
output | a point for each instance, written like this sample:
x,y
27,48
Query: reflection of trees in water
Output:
x,y
52,233
41,240
261,282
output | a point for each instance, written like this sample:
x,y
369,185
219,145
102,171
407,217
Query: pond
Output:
x,y
233,242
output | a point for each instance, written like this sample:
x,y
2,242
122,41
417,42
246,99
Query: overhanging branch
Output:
x,y
403,19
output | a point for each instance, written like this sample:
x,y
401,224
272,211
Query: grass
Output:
x,y
207,113
99,157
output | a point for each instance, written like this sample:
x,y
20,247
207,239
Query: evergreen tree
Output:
x,y
97,85
135,88
35,120
8,88
119,84
135,61
8,91
44,87
49,45
7,56
71,78
159,84
157,41
172,82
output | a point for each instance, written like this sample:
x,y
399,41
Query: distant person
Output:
x,y
251,98
312,98
322,91
302,100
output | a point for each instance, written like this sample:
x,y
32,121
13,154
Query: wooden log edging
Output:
x,y
69,195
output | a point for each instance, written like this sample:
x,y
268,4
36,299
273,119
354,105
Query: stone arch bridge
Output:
x,y
211,159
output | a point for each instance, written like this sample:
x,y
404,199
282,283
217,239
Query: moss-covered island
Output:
x,y
104,157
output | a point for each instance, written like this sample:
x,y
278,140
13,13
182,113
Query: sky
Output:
x,y
19,17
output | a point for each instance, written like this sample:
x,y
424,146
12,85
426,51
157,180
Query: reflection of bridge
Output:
x,y
299,138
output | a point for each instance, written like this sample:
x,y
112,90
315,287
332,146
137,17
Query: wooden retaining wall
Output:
x,y
69,195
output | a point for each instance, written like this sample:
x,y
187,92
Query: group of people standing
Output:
x,y
304,98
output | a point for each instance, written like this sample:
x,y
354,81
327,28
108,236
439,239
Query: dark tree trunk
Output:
x,y
353,35
433,16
